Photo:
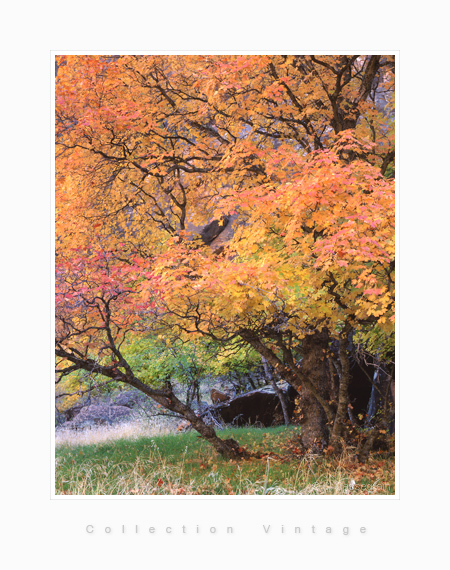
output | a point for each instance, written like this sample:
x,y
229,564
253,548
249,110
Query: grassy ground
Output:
x,y
183,464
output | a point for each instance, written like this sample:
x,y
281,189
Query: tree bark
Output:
x,y
278,392
311,381
340,420
228,448
315,431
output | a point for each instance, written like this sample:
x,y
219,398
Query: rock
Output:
x,y
71,413
96,415
261,407
213,229
217,396
128,398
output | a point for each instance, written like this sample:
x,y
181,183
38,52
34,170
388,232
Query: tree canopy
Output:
x,y
298,151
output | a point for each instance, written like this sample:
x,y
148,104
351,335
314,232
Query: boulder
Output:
x,y
128,398
213,229
261,407
72,412
217,396
97,415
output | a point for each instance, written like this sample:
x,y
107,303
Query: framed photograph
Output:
x,y
222,380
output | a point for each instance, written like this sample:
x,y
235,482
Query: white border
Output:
x,y
405,531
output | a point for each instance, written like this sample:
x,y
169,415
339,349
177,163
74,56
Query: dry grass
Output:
x,y
132,431
110,463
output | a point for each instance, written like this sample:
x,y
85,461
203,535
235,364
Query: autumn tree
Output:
x,y
150,148
313,262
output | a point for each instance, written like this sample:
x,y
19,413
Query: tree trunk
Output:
x,y
311,381
315,432
226,447
278,392
340,420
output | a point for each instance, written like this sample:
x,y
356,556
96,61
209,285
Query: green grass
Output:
x,y
184,464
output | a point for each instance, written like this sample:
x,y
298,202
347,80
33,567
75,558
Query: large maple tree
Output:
x,y
295,149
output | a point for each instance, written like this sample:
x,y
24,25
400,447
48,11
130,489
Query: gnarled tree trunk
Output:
x,y
341,419
310,380
313,419
226,447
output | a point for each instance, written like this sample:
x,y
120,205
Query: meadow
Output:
x,y
141,460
